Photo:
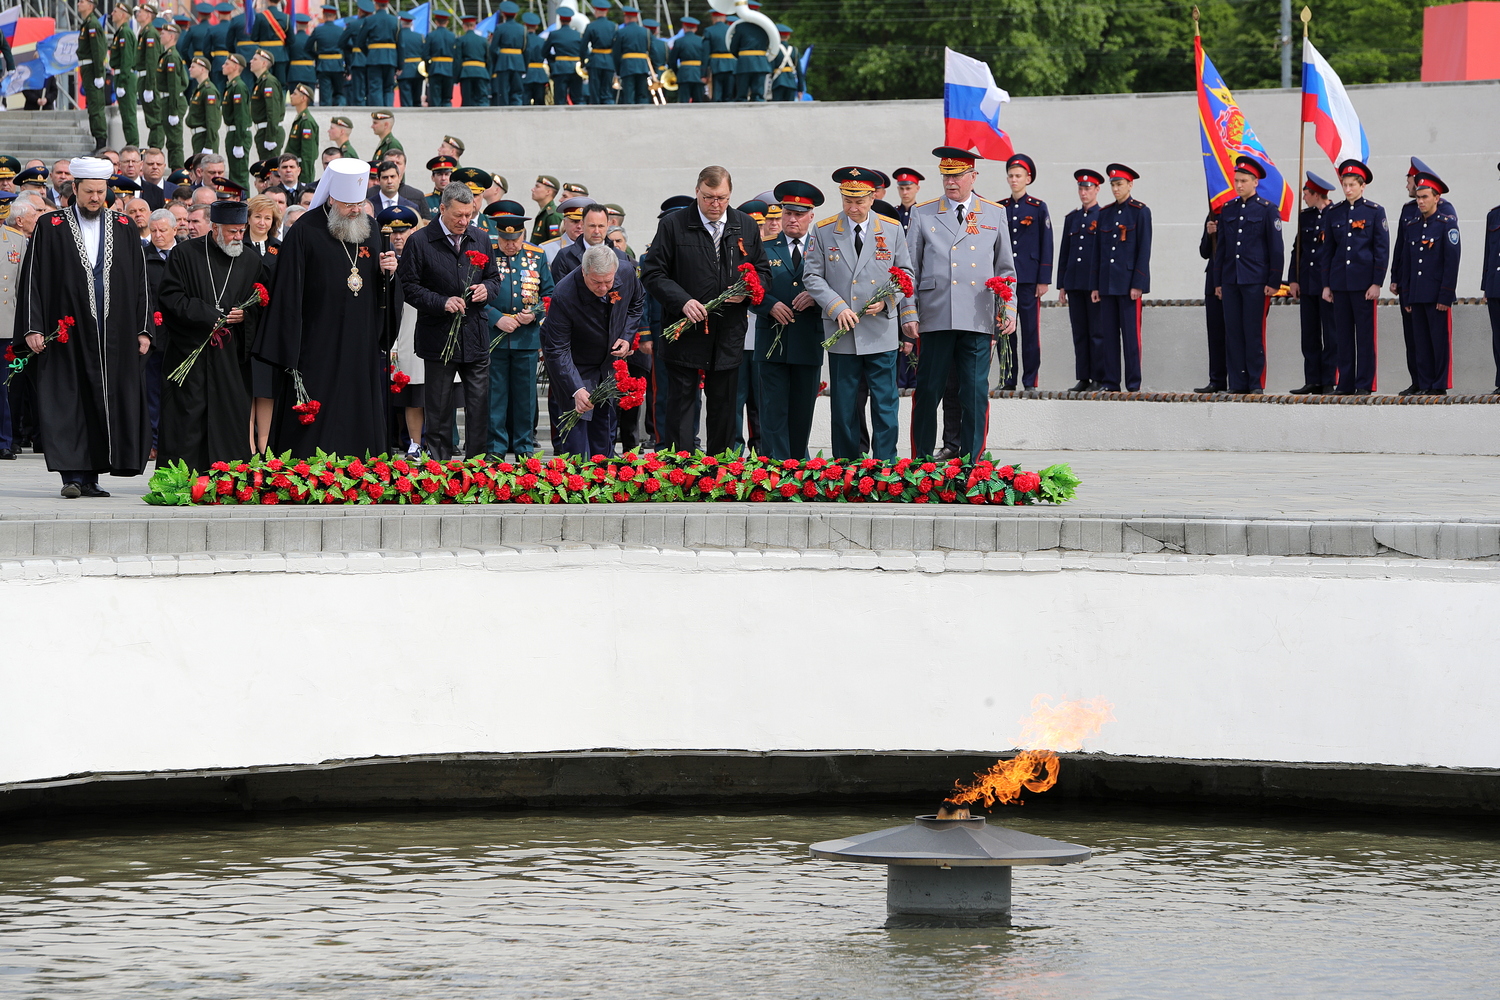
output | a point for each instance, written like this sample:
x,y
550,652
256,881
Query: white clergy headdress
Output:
x,y
346,179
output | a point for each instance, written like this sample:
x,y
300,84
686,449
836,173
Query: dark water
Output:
x,y
681,905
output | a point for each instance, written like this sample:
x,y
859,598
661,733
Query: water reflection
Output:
x,y
681,905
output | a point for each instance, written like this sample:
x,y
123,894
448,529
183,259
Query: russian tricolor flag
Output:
x,y
971,107
1327,106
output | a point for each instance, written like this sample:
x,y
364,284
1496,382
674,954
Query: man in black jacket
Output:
x,y
695,256
441,280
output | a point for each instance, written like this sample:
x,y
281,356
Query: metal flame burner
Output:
x,y
949,868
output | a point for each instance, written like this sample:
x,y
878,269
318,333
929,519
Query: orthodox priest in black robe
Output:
x,y
206,419
85,264
326,319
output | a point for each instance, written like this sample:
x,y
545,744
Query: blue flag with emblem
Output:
x,y
1226,136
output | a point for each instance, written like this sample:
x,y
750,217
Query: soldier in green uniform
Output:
x,y
236,110
686,59
93,67
473,65
548,219
721,61
787,82
409,73
272,32
513,317
633,50
751,65
599,44
303,141
378,34
507,57
381,123
170,82
437,52
535,80
147,52
267,106
204,112
354,54
442,168
217,42
301,67
122,66
323,45
564,51
339,129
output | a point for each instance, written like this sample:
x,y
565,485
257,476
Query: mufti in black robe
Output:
x,y
319,326
91,399
207,418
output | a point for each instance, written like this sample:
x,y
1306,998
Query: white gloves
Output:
x,y
98,83
120,93
269,145
237,152
172,119
149,96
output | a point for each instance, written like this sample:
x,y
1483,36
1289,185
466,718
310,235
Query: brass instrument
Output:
x,y
741,10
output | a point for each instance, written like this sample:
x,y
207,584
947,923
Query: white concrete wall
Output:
x,y
278,669
637,156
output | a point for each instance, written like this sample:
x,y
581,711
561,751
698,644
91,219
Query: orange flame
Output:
x,y
1050,728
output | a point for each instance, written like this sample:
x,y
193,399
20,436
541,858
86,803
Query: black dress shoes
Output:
x,y
1084,386
1410,390
71,491
945,454
1308,390
6,455
1209,389
93,490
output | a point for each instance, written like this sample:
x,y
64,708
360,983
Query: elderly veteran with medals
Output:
x,y
83,319
206,415
325,321
789,331
408,372
958,243
849,274
513,321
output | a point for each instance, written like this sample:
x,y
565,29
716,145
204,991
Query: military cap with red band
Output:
x,y
1354,168
1426,179
1120,172
952,160
798,196
906,175
1250,165
1022,160
856,182
1087,176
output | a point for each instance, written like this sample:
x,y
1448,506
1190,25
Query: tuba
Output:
x,y
741,10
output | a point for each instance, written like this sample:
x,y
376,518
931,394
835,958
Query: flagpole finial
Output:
x,y
1306,14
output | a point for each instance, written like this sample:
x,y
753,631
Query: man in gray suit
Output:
x,y
20,219
958,242
850,261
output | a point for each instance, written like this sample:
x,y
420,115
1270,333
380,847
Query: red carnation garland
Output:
x,y
899,281
17,363
477,260
617,387
220,332
748,283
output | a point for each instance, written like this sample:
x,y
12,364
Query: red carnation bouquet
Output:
x,y
220,332
748,283
1005,290
306,407
17,364
399,380
618,387
899,281
477,260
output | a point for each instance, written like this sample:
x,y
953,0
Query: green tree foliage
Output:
x,y
892,49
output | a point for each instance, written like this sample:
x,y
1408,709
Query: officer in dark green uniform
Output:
x,y
216,44
473,65
239,35
564,51
354,54
658,55
721,61
535,79
633,50
93,66
194,41
301,67
548,219
170,82
381,123
409,73
203,113
601,54
686,59
437,51
272,32
267,106
147,53
237,122
303,140
751,66
377,36
513,319
788,81
324,46
507,57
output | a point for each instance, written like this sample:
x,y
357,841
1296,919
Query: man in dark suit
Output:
x,y
595,313
387,193
440,280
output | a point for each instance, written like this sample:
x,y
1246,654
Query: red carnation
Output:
x,y
224,487
430,485
576,483
1027,482
10,353
244,495
62,338
156,318
220,467
787,489
651,485
533,465
546,302
753,287
526,481
902,280
403,484
356,468
200,487
268,498
375,490
262,294
475,257
1004,287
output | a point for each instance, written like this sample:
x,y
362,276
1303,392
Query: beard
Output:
x,y
347,229
87,215
231,248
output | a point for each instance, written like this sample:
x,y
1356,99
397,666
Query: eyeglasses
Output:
x,y
715,198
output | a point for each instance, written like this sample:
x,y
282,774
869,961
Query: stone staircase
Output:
x,y
45,135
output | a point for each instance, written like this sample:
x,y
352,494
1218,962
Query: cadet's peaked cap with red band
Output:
x,y
1022,160
1119,171
1431,180
906,175
1354,168
952,160
1088,176
1250,165
1317,184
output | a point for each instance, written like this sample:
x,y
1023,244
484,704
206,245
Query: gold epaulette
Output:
x,y
888,218
828,221
988,202
532,246
929,201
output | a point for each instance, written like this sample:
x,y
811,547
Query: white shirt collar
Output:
x,y
707,222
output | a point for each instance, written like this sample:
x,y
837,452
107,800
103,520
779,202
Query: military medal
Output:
x,y
973,225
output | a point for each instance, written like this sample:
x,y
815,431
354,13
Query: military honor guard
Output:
x,y
548,220
686,59
408,63
1122,269
193,41
267,106
852,260
536,79
1075,274
1357,239
122,66
513,318
1429,279
237,122
564,52
270,32
1031,248
1213,307
789,330
83,318
1320,359
721,61
301,65
633,50
787,80
93,69
378,35
325,48
508,58
1409,211
303,140
203,113
750,44
147,55
1247,272
472,56
441,168
599,49
339,129
1489,282
438,51
957,243
171,82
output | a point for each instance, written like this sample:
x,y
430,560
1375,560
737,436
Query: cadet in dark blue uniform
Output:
x,y
1213,306
789,318
908,183
599,41
564,50
1031,246
1247,272
1429,279
354,54
1356,241
438,49
507,58
1075,273
409,46
323,44
1320,358
1489,282
1398,266
1121,275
